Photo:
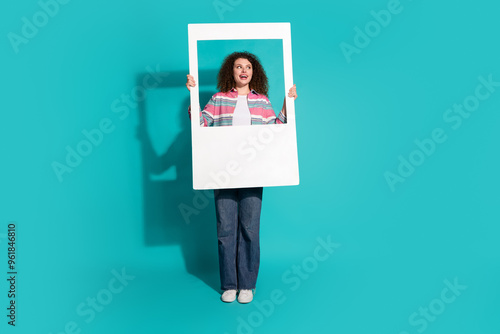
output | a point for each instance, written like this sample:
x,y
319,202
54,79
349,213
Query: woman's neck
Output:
x,y
244,90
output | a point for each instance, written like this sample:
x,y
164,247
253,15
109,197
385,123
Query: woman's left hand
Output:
x,y
292,92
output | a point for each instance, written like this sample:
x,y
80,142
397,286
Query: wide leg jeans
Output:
x,y
238,223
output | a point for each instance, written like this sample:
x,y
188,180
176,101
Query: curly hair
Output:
x,y
225,78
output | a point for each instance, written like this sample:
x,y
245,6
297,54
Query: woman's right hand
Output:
x,y
190,82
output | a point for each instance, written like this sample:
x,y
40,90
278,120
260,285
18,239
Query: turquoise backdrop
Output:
x,y
392,230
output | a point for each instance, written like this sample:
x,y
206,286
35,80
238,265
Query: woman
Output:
x,y
241,100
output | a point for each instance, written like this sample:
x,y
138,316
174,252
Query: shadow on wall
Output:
x,y
174,213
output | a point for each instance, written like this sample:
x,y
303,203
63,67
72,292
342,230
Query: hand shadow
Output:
x,y
174,213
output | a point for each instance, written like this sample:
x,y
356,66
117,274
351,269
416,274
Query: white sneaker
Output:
x,y
245,296
228,296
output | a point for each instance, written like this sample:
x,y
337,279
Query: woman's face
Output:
x,y
242,72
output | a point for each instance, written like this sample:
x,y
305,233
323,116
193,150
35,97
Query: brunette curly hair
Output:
x,y
225,79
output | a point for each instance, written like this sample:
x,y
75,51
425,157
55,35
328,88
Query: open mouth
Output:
x,y
243,77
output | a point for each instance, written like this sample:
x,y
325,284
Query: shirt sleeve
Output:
x,y
206,115
270,115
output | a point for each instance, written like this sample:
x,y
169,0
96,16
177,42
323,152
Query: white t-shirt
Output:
x,y
241,114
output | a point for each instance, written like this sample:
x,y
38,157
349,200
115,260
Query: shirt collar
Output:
x,y
251,91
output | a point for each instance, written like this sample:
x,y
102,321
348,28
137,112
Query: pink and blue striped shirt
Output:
x,y
220,109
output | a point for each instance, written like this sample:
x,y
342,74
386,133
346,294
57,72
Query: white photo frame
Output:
x,y
243,156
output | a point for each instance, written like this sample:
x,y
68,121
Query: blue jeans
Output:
x,y
238,223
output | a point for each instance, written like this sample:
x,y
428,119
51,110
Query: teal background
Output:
x,y
119,208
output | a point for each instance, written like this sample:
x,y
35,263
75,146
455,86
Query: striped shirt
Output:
x,y
220,109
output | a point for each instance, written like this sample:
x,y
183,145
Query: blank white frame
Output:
x,y
243,156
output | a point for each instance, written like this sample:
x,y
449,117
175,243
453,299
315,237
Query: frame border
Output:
x,y
239,31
